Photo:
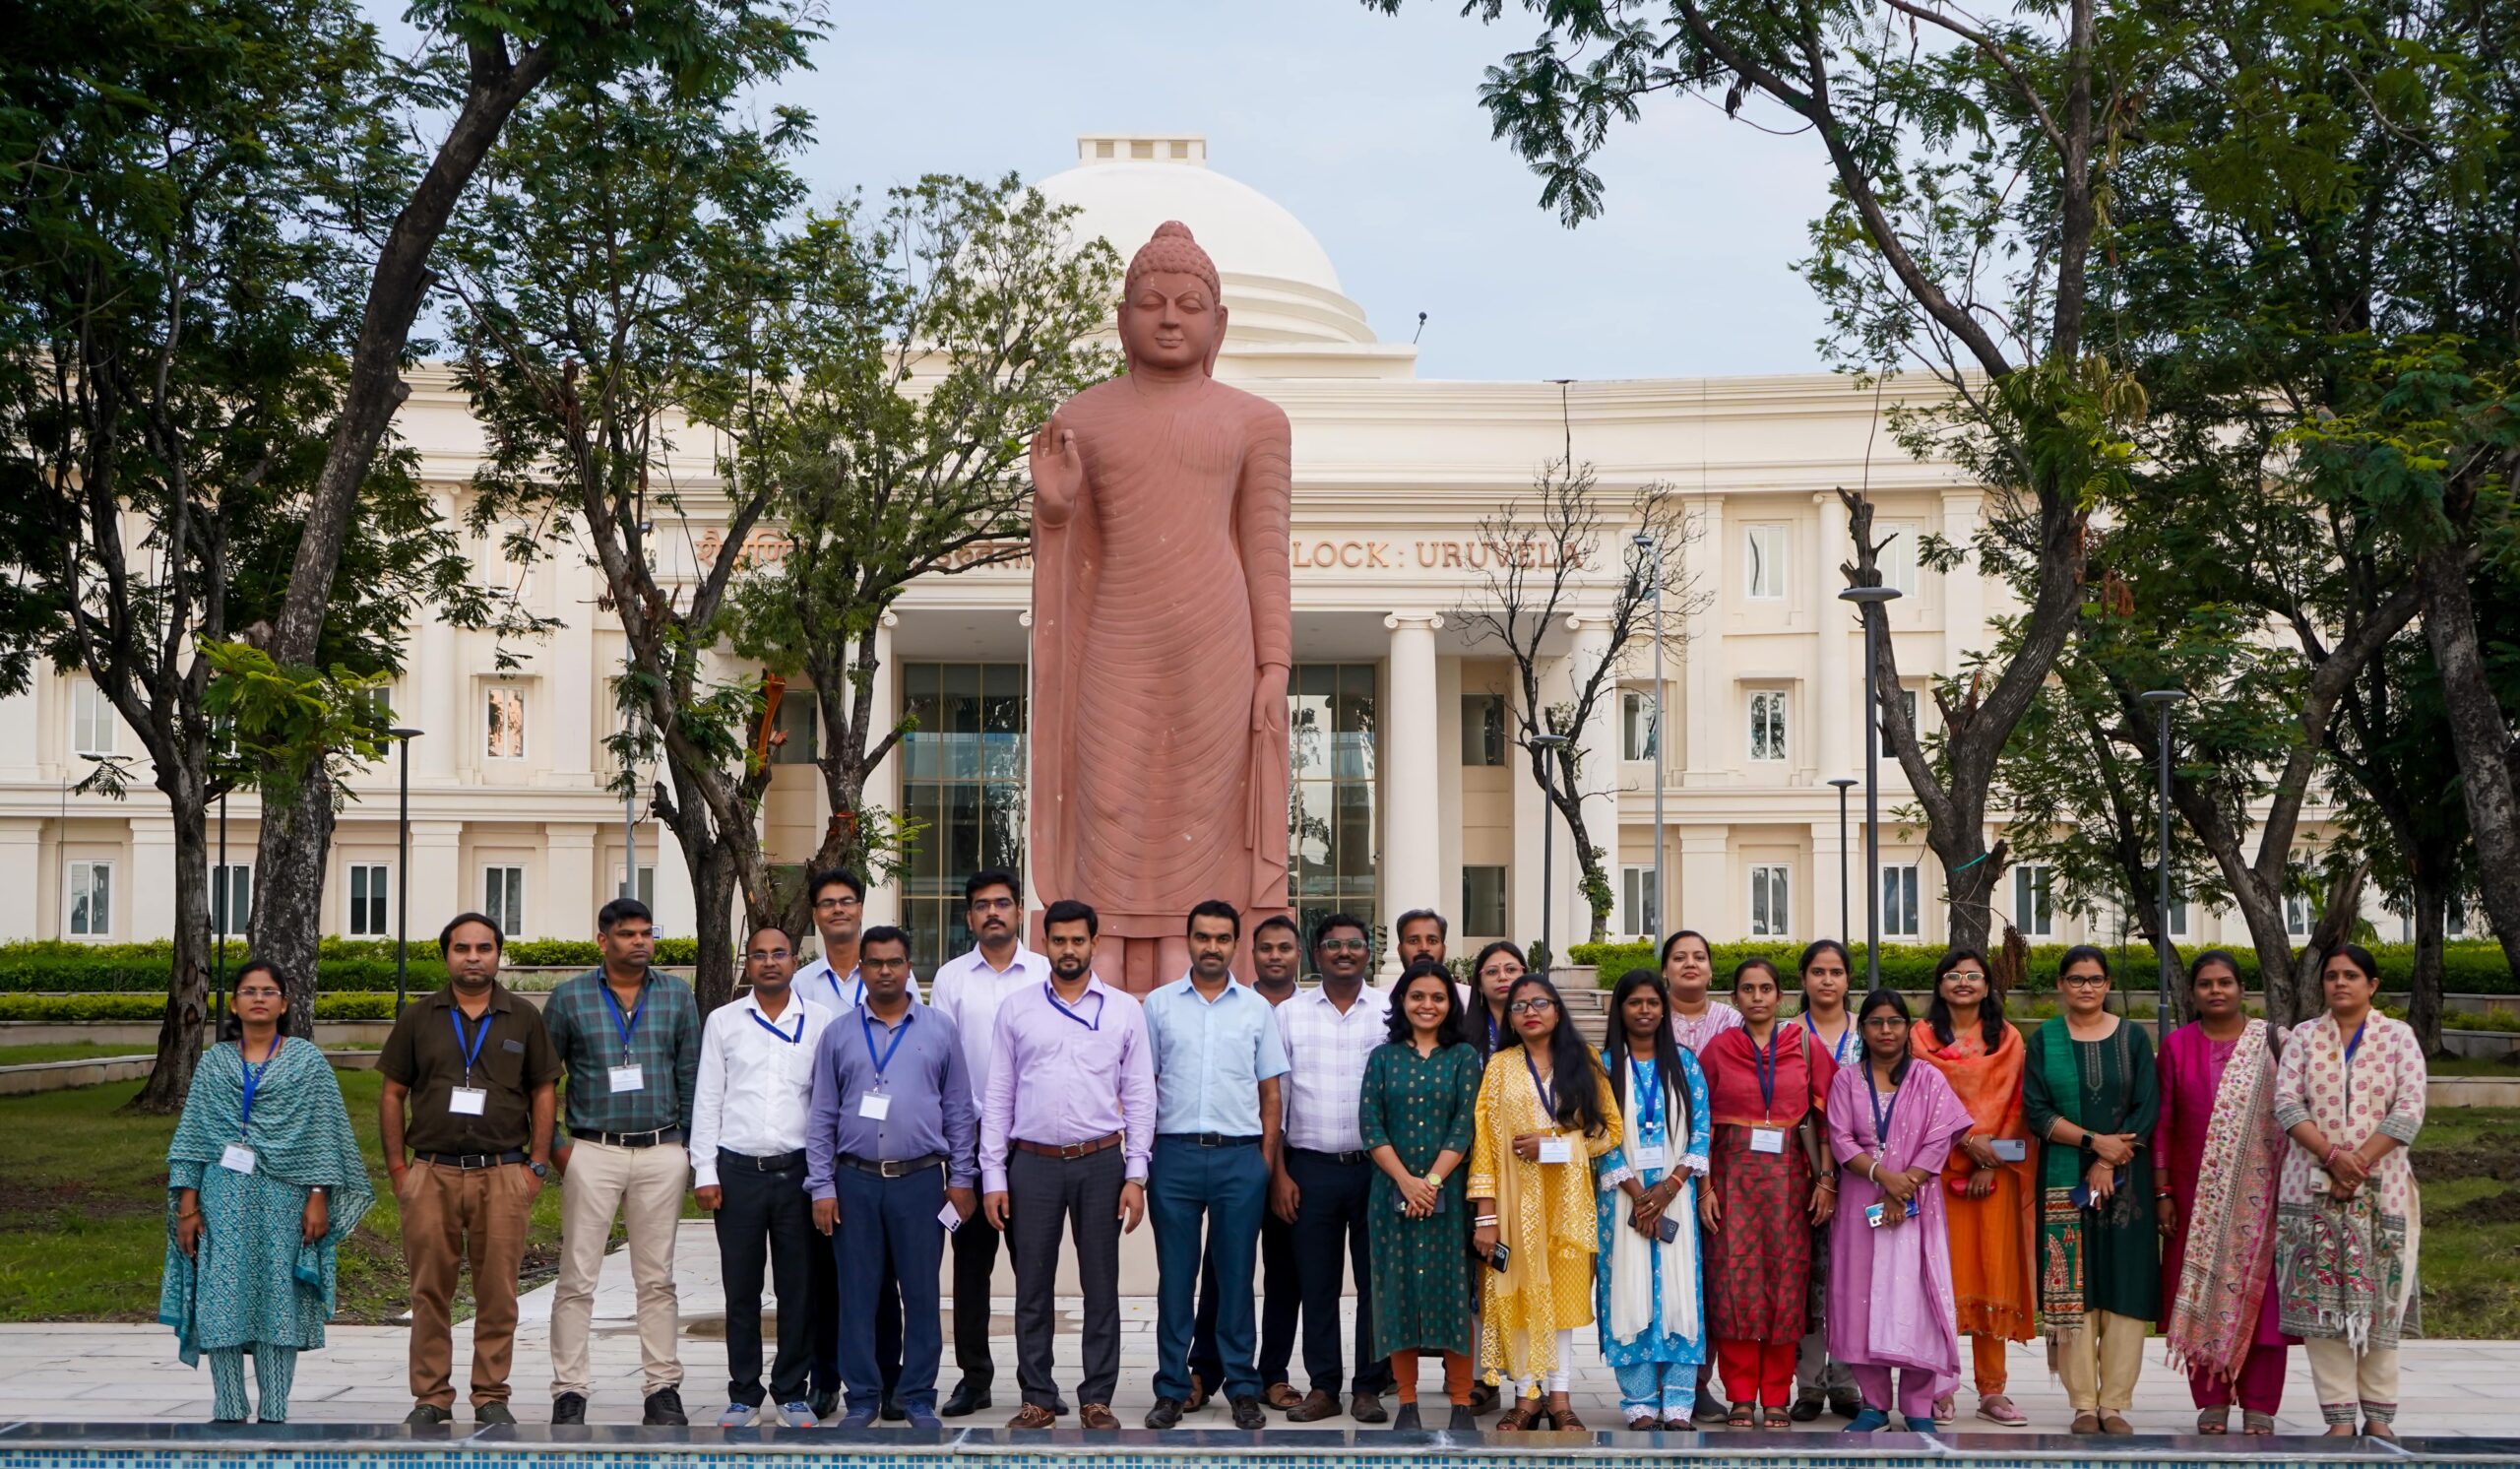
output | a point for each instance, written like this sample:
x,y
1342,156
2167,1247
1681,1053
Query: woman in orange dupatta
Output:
x,y
1991,1176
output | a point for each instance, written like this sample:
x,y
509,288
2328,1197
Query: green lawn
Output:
x,y
65,1050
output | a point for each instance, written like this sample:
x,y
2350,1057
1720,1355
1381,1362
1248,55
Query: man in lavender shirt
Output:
x,y
1066,1127
888,1152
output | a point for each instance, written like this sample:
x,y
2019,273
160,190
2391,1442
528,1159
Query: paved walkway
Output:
x,y
128,1374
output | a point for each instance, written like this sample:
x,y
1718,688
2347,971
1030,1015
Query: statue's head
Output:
x,y
1171,314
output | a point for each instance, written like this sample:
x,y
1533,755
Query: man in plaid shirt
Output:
x,y
630,1040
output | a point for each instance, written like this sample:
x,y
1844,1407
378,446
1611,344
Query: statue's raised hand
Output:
x,y
1058,473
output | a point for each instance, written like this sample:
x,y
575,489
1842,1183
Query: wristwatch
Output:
x,y
541,1170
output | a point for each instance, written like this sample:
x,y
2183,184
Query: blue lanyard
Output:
x,y
1052,996
2351,1047
1882,1115
470,1050
1648,1087
1767,1064
254,1078
866,1025
625,1024
798,1037
831,977
1547,1089
1837,1052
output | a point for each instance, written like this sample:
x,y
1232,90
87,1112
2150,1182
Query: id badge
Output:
x,y
469,1101
874,1106
1767,1139
628,1079
1556,1150
1649,1154
2011,1150
950,1217
236,1157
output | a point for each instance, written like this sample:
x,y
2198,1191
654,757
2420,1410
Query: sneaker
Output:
x,y
1249,1415
800,1414
857,1418
427,1415
1166,1414
665,1410
737,1416
1921,1424
924,1417
1870,1421
569,1409
494,1415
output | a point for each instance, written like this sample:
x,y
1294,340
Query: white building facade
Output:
x,y
1409,791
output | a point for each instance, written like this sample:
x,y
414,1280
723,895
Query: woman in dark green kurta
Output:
x,y
1420,1099
2089,1093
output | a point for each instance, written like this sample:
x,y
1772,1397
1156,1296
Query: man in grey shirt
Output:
x,y
890,1145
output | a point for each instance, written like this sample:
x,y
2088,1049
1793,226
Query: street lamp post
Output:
x,y
1548,745
1653,553
1846,890
1867,599
219,903
403,736
2162,700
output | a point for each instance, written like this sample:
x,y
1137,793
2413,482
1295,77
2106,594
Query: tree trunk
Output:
x,y
2479,736
2423,985
180,1035
714,883
2287,1002
288,926
2334,929
1970,869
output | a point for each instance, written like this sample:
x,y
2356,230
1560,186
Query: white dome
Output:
x,y
1278,281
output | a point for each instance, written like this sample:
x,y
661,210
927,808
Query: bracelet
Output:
x,y
195,1214
1872,1171
1484,1219
2333,1149
1829,1184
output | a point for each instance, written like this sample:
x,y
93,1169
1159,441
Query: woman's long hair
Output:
x,y
1572,1067
1478,993
1667,1054
1448,1032
1813,950
233,1029
1887,999
1991,1010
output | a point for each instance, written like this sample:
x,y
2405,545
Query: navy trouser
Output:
x,y
1230,1187
1281,1303
1331,1214
889,1242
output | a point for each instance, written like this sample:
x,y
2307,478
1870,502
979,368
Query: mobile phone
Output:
x,y
1666,1229
1497,1257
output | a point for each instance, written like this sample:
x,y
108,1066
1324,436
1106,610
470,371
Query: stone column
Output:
x,y
1703,759
1836,694
147,900
440,887
1964,588
570,882
1823,918
1706,885
22,856
1412,851
884,783
574,681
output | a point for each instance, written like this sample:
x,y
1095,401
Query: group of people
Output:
x,y
1804,1201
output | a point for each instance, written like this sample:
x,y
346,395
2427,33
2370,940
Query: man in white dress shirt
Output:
x,y
968,990
748,1170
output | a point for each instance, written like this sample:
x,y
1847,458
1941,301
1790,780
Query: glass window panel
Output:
x,y
1482,729
1483,902
797,715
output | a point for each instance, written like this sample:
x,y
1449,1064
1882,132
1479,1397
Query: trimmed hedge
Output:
x,y
341,964
86,1009
2470,967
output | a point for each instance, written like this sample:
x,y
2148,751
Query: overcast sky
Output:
x,y
1367,127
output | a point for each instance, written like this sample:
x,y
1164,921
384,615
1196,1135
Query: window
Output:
x,y
232,891
1765,575
1906,706
2296,914
797,712
1637,908
1636,724
1483,902
647,892
370,891
1771,902
1333,720
1483,731
93,721
90,887
2034,901
2179,915
1900,915
503,898
505,710
1767,726
1899,556
2455,922
963,778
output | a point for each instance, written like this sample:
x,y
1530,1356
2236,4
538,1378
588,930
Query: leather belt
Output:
x,y
893,1168
1209,1139
470,1162
1068,1150
775,1163
1353,1157
650,1140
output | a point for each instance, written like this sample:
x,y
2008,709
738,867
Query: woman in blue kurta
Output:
x,y
1649,1296
264,1181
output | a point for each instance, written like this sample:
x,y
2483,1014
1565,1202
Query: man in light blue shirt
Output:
x,y
1217,1058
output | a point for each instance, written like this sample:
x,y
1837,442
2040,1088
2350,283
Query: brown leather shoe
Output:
x,y
1281,1397
1316,1406
1198,1395
1033,1416
1096,1416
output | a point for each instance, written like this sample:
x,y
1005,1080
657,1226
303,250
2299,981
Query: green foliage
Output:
x,y
55,966
289,721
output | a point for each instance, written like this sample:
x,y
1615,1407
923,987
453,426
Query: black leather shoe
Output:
x,y
1406,1418
427,1415
1806,1408
1166,1413
1845,1402
1058,1405
567,1409
1316,1406
1365,1407
665,1410
892,1411
824,1404
971,1395
1248,1414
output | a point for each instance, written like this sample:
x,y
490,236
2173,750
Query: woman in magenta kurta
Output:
x,y
2221,1151
1891,1127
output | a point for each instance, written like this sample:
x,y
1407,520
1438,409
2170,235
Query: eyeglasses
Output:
x,y
2085,981
761,955
1530,1006
258,992
1966,974
1344,945
843,902
992,904
1884,1022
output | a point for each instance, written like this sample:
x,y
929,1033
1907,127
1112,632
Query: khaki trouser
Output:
x,y
645,1187
2347,1378
2101,1362
452,1218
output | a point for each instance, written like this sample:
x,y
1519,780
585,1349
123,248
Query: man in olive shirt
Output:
x,y
468,1090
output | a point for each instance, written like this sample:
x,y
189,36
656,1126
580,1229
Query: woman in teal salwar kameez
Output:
x,y
264,1179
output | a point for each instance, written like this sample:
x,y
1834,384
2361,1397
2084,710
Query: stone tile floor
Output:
x,y
129,1373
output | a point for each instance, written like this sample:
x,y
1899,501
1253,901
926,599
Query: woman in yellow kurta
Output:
x,y
1546,1119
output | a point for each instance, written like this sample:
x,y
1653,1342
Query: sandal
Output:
x,y
2213,1419
1567,1423
1742,1416
2257,1424
1775,1418
2380,1427
1520,1418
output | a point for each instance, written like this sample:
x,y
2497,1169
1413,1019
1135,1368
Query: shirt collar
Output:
x,y
909,1015
501,1000
1232,984
1022,963
796,1003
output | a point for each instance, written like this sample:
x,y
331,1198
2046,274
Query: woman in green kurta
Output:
x,y
1419,1104
264,1181
2089,1093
